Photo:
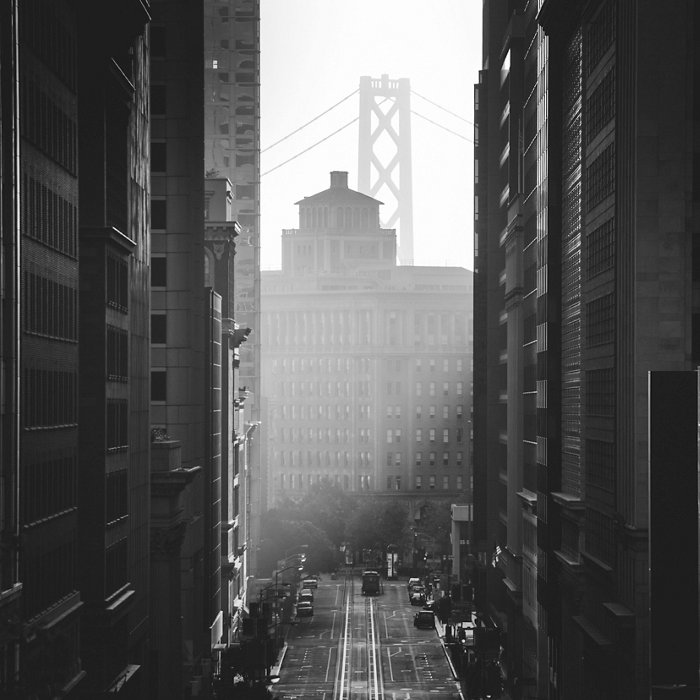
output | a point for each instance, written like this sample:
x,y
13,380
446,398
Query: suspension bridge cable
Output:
x,y
325,138
466,138
303,126
444,109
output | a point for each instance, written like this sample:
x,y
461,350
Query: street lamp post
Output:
x,y
296,567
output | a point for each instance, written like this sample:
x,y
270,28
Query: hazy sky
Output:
x,y
313,53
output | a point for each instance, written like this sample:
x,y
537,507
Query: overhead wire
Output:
x,y
303,126
461,136
444,109
313,145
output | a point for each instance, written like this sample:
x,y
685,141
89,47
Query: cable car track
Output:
x,y
358,675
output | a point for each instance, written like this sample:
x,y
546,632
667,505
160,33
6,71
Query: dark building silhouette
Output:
x,y
74,434
586,214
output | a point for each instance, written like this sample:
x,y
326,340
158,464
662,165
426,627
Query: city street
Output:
x,y
363,647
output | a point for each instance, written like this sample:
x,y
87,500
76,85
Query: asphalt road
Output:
x,y
357,647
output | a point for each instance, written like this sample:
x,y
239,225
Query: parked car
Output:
x,y
310,582
424,619
305,609
413,581
306,594
416,595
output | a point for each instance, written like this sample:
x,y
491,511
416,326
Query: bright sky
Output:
x,y
313,53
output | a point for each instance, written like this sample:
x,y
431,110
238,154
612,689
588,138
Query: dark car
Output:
x,y
310,582
416,595
424,619
305,609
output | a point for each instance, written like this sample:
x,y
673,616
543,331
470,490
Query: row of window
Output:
x,y
395,459
42,28
49,217
333,365
301,481
432,433
49,398
459,410
50,308
48,487
48,576
361,388
47,126
296,458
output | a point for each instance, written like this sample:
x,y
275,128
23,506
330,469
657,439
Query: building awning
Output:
x,y
592,631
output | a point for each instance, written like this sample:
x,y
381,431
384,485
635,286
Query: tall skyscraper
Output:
x,y
74,434
584,279
367,365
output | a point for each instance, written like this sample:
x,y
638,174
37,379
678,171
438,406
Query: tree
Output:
x,y
436,523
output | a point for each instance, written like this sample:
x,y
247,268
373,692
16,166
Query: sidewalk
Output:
x,y
440,629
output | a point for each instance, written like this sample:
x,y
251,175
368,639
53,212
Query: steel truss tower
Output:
x,y
391,177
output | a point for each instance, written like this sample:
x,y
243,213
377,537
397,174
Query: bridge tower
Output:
x,y
384,154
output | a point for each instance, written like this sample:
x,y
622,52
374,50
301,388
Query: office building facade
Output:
x,y
366,364
75,441
584,278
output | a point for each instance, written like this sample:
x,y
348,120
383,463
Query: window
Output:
x,y
397,411
388,458
431,459
116,496
117,424
389,411
419,389
432,435
158,100
432,365
431,481
600,177
460,482
600,392
389,436
459,365
397,434
419,365
600,320
158,157
446,435
419,459
460,459
432,389
445,459
117,354
445,365
397,459
419,435
601,249
158,384
431,411
419,411
445,388
445,482
117,283
159,219
460,388
159,328
460,410
419,482
446,412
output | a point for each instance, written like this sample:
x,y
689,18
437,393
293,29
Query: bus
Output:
x,y
371,583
